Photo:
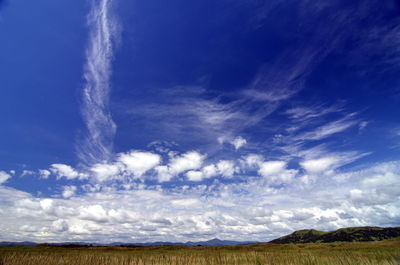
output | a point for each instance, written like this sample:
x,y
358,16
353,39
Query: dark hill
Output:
x,y
353,234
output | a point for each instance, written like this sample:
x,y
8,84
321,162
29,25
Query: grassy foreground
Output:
x,y
383,252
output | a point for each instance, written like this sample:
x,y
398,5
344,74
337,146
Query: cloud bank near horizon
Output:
x,y
272,201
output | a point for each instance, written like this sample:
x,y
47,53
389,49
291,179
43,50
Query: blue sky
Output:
x,y
142,121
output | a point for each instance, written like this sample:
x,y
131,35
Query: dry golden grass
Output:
x,y
368,253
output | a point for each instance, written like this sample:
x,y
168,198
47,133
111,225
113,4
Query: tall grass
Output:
x,y
382,253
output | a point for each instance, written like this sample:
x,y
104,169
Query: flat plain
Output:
x,y
357,253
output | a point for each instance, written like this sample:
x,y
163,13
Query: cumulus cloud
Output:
x,y
44,173
226,168
316,166
237,142
250,210
69,191
319,167
4,177
223,168
252,161
206,172
187,161
163,173
276,172
106,172
272,167
131,165
27,173
66,171
379,185
59,226
195,175
47,205
209,171
137,163
179,164
93,213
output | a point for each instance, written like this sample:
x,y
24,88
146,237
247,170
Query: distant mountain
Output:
x,y
218,242
352,234
212,242
17,244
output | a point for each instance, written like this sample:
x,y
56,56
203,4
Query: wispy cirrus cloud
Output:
x,y
222,114
329,129
104,32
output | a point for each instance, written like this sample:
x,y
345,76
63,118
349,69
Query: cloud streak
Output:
x,y
101,129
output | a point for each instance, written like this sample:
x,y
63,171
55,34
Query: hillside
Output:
x,y
353,234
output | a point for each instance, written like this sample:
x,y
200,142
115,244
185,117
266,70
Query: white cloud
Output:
x,y
47,205
137,163
320,165
209,171
276,172
179,164
237,142
386,175
163,174
93,213
226,168
59,226
4,177
27,173
130,165
106,172
252,161
371,197
272,168
195,175
44,173
206,172
378,186
66,171
187,161
28,204
69,191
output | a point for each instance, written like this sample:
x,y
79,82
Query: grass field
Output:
x,y
383,252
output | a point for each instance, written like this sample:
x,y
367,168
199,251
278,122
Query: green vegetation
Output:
x,y
365,253
352,234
